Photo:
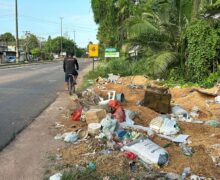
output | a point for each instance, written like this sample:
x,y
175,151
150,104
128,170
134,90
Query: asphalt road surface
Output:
x,y
25,92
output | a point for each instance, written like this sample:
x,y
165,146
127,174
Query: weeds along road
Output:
x,y
25,92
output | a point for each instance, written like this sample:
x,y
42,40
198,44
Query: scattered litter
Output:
x,y
76,114
58,157
89,154
133,166
186,172
148,151
188,151
181,138
164,125
130,115
56,176
113,78
95,115
58,125
214,153
82,134
195,112
217,100
140,103
91,166
106,151
173,176
89,97
195,177
109,126
58,137
71,137
149,131
134,86
120,97
180,112
158,99
213,123
111,96
93,128
117,110
130,155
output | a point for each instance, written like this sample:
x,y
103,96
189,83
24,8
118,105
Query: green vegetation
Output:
x,y
178,40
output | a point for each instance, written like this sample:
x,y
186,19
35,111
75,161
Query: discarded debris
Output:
x,y
157,100
186,172
117,110
179,112
111,96
71,137
181,138
76,114
213,123
93,128
56,176
217,99
130,155
95,115
113,78
109,126
91,166
148,151
164,125
188,151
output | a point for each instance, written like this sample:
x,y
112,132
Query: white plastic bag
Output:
x,y
148,151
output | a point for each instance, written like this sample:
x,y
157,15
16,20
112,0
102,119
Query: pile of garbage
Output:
x,y
107,120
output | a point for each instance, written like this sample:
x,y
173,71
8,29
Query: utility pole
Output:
x,y
17,37
61,43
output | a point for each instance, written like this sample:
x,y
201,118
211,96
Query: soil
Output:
x,y
202,137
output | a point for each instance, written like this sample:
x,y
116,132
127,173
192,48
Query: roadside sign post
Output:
x,y
93,53
111,53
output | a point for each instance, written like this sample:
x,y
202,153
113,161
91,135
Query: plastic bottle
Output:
x,y
185,173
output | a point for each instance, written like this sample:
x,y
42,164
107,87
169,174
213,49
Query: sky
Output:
x,y
42,18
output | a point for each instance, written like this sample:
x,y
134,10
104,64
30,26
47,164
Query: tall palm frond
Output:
x,y
158,64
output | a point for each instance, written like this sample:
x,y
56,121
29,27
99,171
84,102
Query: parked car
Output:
x,y
11,59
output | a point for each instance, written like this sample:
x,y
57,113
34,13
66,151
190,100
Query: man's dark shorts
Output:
x,y
75,73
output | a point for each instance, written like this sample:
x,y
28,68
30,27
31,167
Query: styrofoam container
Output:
x,y
93,128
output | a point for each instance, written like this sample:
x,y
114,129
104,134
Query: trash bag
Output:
x,y
76,115
56,176
109,126
179,111
117,111
164,125
148,151
213,123
71,137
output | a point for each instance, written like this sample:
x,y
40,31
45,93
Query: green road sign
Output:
x,y
110,50
112,54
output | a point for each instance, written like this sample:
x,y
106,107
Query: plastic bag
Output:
x,y
148,151
179,111
76,115
213,123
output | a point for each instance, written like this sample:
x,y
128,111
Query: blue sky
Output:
x,y
42,18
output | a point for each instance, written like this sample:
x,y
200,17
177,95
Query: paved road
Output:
x,y
24,93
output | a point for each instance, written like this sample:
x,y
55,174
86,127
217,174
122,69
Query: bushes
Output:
x,y
203,42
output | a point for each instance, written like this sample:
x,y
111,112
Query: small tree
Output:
x,y
36,52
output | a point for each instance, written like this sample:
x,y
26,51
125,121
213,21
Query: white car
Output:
x,y
11,59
